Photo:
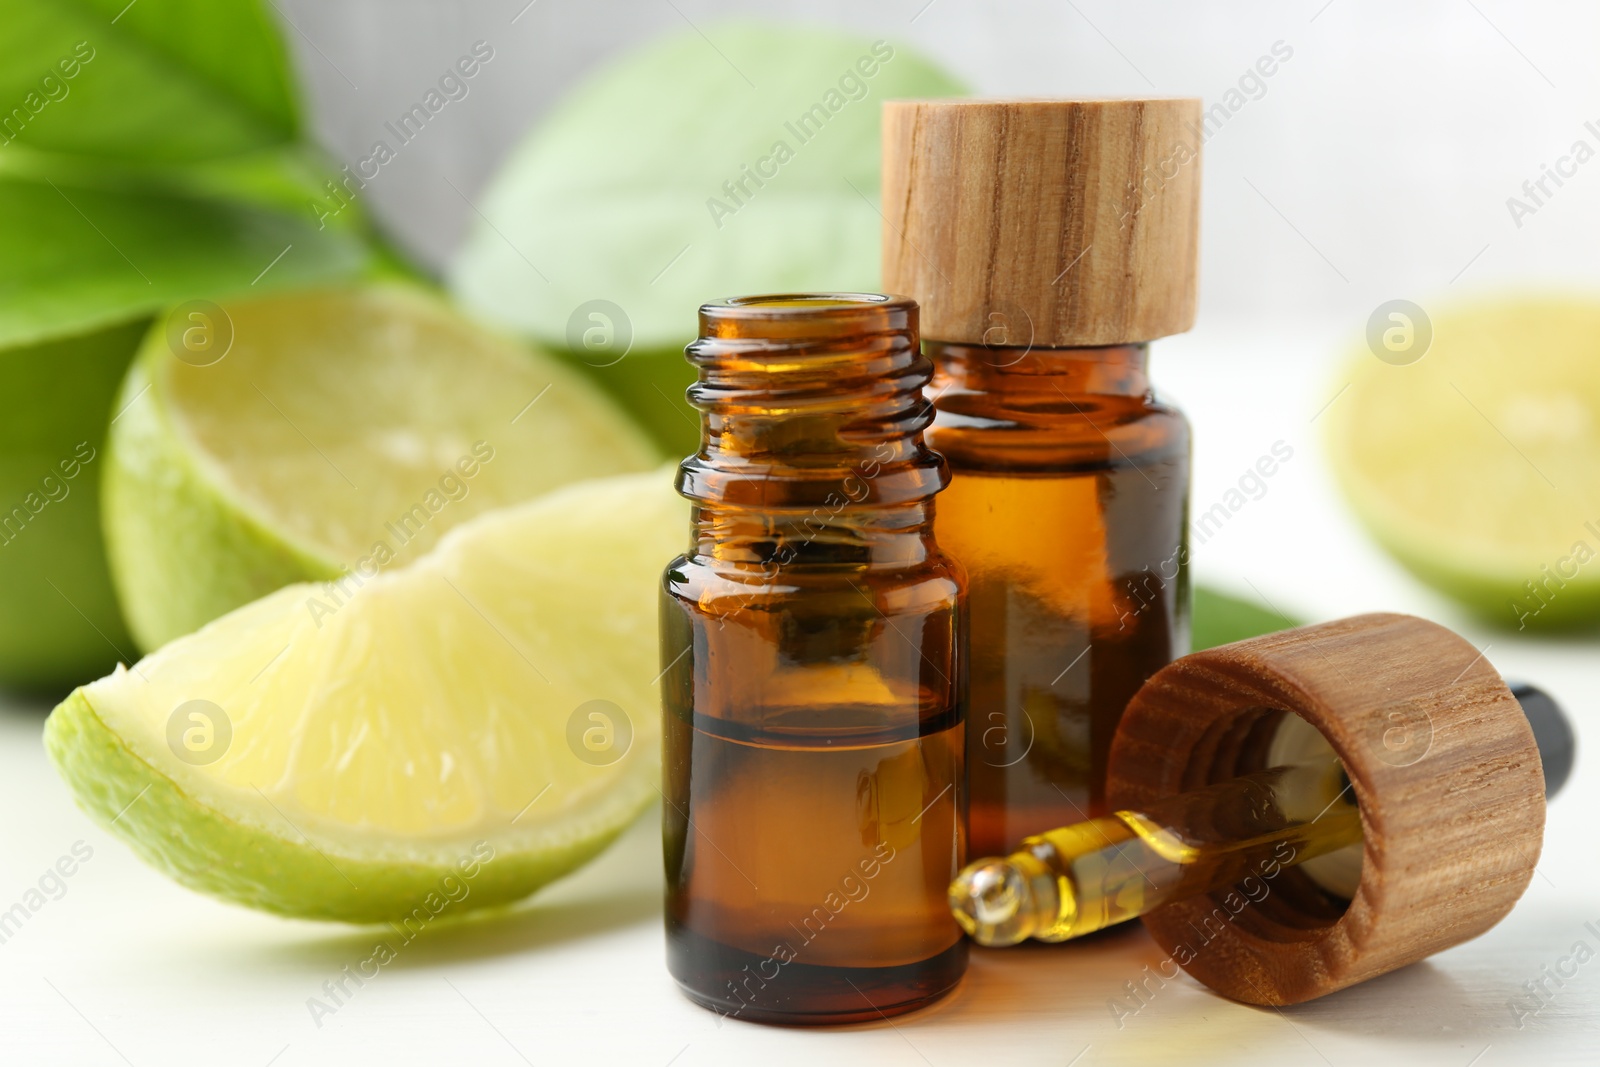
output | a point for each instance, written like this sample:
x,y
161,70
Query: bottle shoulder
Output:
x,y
1058,433
937,580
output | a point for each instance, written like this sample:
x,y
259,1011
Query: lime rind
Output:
x,y
205,850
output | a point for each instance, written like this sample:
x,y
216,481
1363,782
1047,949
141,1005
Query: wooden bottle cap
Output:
x,y
1054,223
1444,768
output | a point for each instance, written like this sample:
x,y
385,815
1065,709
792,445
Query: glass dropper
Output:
x,y
1240,833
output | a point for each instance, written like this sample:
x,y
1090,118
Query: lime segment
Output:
x,y
336,753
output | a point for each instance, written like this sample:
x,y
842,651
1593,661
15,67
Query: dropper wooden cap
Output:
x,y
1443,765
1052,223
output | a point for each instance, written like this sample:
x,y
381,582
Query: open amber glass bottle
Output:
x,y
812,646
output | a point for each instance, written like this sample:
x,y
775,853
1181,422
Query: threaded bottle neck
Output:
x,y
811,400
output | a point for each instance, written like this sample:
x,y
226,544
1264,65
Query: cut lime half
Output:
x,y
1474,460
296,437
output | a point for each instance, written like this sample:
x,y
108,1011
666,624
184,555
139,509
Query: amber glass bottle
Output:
x,y
1067,508
1047,242
812,646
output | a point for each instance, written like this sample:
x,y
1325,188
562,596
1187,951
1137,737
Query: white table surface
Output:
x,y
127,967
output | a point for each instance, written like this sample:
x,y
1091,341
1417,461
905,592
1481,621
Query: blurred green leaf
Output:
x,y
74,257
149,154
59,619
645,187
1221,618
161,80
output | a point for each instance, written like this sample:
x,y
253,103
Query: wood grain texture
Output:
x,y
1052,223
1444,769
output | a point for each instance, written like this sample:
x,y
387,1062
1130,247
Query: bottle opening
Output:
x,y
810,318
805,301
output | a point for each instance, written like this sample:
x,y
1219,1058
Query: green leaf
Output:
x,y
1221,618
158,80
615,195
73,257
59,620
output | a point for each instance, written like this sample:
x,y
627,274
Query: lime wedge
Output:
x,y
448,735
1473,460
306,436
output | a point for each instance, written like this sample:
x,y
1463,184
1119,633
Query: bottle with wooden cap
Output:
x,y
1048,241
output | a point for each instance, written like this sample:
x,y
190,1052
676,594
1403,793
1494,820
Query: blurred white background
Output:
x,y
1376,162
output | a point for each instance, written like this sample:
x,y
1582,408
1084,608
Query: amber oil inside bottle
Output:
x,y
812,647
1068,509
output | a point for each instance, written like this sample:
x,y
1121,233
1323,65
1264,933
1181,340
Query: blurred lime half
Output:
x,y
1469,444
